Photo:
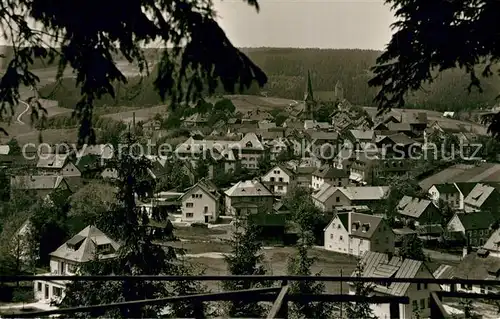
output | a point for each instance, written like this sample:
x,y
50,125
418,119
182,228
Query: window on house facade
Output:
x,y
281,179
331,236
422,303
39,286
189,205
71,268
414,305
341,238
189,215
280,188
56,291
272,179
337,199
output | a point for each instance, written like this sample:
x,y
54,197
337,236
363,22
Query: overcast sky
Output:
x,y
307,23
363,24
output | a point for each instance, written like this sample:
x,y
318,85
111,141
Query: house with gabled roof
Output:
x,y
196,119
448,193
267,135
279,180
493,244
419,211
201,203
266,124
89,244
361,137
331,175
483,197
247,151
250,150
42,185
479,265
304,175
388,266
328,197
248,197
355,233
278,146
396,145
476,226
57,164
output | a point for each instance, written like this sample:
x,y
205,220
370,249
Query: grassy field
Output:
x,y
276,260
48,136
141,114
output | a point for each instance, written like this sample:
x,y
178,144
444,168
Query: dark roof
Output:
x,y
322,135
476,267
286,170
268,219
466,188
331,172
344,219
399,127
400,138
446,188
368,224
269,134
476,220
306,170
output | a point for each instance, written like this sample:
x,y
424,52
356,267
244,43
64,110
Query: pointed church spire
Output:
x,y
308,96
339,91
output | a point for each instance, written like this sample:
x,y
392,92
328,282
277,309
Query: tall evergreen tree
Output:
x,y
245,259
305,215
139,253
360,309
412,247
300,265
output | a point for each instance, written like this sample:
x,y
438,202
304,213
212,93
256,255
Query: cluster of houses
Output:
x,y
340,182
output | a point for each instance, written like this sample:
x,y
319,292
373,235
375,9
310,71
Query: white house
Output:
x,y
279,180
85,246
248,150
355,233
328,197
201,203
382,265
331,175
448,193
248,197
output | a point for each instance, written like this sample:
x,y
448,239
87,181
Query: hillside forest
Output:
x,y
287,69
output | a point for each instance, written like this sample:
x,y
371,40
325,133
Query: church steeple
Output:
x,y
339,91
308,96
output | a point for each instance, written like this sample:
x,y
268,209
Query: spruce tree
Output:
x,y
305,215
139,252
300,264
360,309
245,259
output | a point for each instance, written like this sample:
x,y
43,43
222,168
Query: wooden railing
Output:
x,y
278,295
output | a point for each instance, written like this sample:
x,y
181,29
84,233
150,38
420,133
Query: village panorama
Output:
x,y
300,197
